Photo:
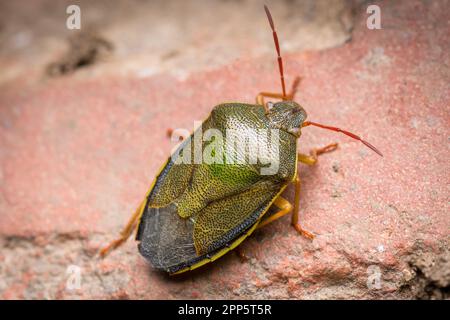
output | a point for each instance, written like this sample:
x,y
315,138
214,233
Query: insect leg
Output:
x,y
170,132
314,153
295,213
290,96
126,232
284,206
241,254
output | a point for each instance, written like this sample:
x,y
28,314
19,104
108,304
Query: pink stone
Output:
x,y
77,155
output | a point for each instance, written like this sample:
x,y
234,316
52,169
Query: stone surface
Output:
x,y
78,152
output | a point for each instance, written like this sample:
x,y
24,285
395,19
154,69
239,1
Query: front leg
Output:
x,y
290,96
312,158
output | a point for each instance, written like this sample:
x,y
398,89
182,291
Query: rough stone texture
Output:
x,y
77,152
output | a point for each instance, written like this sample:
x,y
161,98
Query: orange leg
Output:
x,y
241,254
125,233
290,96
309,160
295,213
169,133
284,206
314,153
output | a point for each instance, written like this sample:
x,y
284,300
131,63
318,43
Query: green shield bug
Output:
x,y
198,210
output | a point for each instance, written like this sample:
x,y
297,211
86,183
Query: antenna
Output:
x,y
277,46
352,135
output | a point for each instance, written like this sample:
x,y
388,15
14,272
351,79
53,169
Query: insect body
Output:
x,y
195,212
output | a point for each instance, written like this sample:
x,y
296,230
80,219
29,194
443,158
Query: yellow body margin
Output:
x,y
144,202
239,240
235,243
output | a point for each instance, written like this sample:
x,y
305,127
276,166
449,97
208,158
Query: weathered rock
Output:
x,y
78,152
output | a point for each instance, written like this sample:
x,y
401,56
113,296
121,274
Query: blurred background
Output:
x,y
84,116
176,37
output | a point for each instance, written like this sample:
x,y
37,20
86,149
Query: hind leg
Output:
x,y
126,231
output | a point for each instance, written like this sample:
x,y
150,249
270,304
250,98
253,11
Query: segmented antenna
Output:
x,y
352,135
283,86
277,46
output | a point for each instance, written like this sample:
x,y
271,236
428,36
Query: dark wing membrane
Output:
x,y
172,243
166,239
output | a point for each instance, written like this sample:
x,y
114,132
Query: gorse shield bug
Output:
x,y
216,189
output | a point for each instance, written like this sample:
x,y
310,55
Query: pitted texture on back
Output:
x,y
202,207
224,219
